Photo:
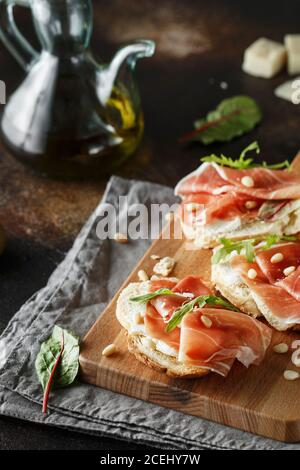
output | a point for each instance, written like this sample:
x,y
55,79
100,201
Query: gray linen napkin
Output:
x,y
75,295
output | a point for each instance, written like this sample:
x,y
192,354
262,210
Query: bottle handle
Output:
x,y
11,36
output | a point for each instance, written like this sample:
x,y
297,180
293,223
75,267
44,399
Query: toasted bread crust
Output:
x,y
161,362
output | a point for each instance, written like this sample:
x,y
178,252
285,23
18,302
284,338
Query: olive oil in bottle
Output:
x,y
71,117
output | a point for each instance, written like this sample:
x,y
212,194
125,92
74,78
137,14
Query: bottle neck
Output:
x,y
64,27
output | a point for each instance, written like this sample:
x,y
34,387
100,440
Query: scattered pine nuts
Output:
x,y
250,204
142,275
247,181
289,270
206,321
252,273
109,350
121,238
281,348
277,258
155,257
164,267
291,375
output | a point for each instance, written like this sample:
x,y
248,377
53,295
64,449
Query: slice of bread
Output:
x,y
231,286
154,354
287,223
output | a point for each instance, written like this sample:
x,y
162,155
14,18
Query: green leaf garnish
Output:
x,y
200,301
144,299
229,246
233,117
248,245
57,362
273,239
277,166
241,163
186,307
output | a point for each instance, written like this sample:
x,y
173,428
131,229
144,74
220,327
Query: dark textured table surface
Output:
x,y
199,45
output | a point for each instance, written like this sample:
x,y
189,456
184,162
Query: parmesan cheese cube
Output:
x,y
292,43
264,58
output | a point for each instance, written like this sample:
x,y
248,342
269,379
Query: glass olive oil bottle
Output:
x,y
71,117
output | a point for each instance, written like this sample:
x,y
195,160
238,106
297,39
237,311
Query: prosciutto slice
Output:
x,y
272,291
232,335
274,271
208,208
267,184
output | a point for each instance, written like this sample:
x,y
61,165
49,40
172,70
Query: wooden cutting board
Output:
x,y
257,399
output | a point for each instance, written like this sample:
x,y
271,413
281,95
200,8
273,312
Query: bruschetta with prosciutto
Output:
x,y
261,278
239,199
183,329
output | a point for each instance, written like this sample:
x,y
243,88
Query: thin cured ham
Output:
x,y
208,207
214,345
290,252
267,184
276,287
233,203
231,336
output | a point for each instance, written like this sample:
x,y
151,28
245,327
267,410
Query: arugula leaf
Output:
x,y
241,163
200,301
277,166
248,245
233,117
147,297
273,239
229,246
186,307
57,362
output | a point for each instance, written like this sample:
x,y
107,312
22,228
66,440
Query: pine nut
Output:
x,y
143,276
138,319
250,204
277,258
109,350
155,257
281,348
121,238
291,375
252,273
247,181
206,321
289,270
296,358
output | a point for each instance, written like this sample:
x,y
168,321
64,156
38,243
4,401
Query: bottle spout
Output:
x,y
127,55
132,52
